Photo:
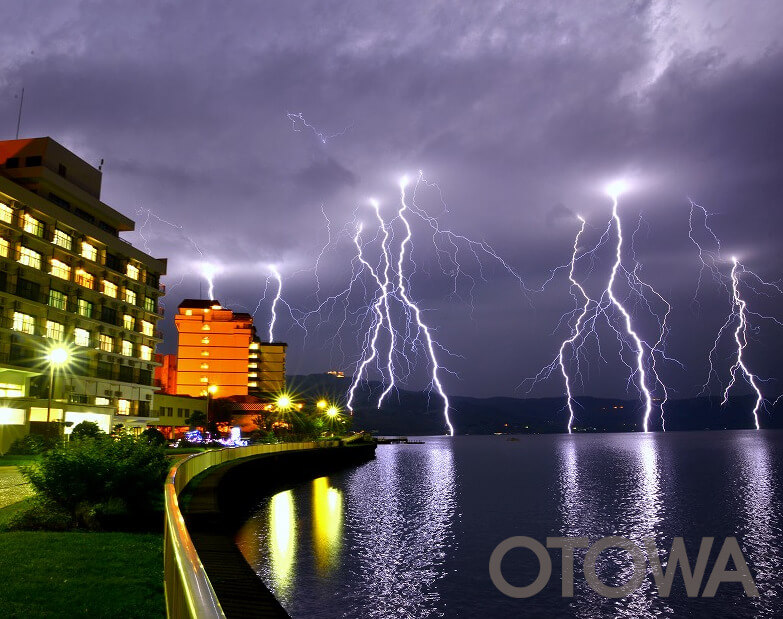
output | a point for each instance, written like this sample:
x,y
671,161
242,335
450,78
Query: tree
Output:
x,y
153,436
197,419
87,429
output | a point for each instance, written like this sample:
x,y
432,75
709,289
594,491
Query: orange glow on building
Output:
x,y
213,349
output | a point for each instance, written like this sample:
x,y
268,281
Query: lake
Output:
x,y
410,534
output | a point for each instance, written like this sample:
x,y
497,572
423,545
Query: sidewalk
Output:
x,y
13,487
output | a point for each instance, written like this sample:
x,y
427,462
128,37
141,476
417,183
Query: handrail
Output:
x,y
189,594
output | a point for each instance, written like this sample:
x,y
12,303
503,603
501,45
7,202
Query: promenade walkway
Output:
x,y
13,487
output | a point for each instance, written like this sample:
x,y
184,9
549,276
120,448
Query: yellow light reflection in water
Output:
x,y
327,525
282,538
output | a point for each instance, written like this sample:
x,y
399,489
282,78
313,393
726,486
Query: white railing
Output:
x,y
189,594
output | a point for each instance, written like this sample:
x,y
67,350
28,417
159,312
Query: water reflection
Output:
x,y
327,525
282,540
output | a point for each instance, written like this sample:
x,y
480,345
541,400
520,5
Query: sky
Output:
x,y
512,117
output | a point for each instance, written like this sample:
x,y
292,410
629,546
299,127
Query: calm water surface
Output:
x,y
410,534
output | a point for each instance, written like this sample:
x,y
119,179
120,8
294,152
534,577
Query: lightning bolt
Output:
x,y
275,301
741,339
208,271
323,137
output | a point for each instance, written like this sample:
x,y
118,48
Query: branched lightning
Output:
x,y
322,136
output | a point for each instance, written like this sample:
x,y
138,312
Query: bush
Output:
x,y
153,436
100,483
87,429
31,445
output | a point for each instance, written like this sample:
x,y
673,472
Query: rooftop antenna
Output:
x,y
100,166
19,118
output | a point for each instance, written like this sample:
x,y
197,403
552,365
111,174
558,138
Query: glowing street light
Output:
x,y
322,404
57,358
332,412
283,402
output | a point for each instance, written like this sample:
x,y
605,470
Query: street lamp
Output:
x,y
57,358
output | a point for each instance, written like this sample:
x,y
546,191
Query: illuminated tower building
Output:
x,y
271,378
69,282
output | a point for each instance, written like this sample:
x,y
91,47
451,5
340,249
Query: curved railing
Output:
x,y
188,590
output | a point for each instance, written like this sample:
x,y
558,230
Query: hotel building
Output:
x,y
68,280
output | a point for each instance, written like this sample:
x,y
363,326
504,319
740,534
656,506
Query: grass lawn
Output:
x,y
80,574
18,460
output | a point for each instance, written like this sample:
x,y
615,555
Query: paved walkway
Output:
x,y
13,487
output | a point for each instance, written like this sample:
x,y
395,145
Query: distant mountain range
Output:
x,y
416,413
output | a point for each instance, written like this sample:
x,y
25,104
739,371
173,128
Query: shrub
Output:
x,y
102,483
87,429
153,436
31,445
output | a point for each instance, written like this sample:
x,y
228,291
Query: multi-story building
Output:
x,y
220,354
68,280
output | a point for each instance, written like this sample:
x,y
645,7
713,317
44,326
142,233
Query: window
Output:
x,y
188,312
205,340
105,343
81,337
113,262
130,297
57,299
126,374
132,271
62,170
60,269
11,390
149,304
55,330
102,401
105,370
85,308
32,162
147,328
29,258
252,365
205,366
145,353
62,239
205,353
6,213
145,377
32,225
12,162
4,247
204,379
83,278
252,384
123,407
27,289
89,252
128,322
205,327
109,314
109,289
127,348
24,323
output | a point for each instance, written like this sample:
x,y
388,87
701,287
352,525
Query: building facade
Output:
x,y
68,281
219,353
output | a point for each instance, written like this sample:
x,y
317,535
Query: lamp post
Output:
x,y
57,357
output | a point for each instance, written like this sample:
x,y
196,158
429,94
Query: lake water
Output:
x,y
410,534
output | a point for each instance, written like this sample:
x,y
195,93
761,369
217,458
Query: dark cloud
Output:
x,y
520,112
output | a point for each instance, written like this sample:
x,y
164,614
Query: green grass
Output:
x,y
81,574
9,511
18,460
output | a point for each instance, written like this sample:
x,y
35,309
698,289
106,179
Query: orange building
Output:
x,y
213,349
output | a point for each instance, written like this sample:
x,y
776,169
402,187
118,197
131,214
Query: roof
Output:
x,y
198,303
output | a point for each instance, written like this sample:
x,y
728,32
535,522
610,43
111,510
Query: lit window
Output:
x,y
252,384
146,353
254,346
29,258
89,252
130,297
123,407
4,247
105,343
205,340
57,299
252,365
81,337
253,355
205,366
83,278
127,348
24,323
6,213
149,304
60,269
62,239
132,271
204,379
205,353
188,312
109,289
128,322
147,328
32,225
205,327
10,390
102,401
85,308
55,330
253,375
